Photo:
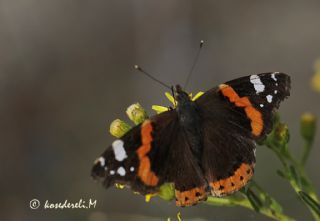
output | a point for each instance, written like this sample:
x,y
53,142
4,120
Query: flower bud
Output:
x,y
315,81
316,65
118,128
281,134
166,191
308,126
136,113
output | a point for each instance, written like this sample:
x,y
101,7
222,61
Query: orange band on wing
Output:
x,y
190,197
146,175
233,183
253,114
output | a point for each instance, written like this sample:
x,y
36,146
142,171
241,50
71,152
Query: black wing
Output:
x,y
138,159
185,172
252,99
234,115
155,152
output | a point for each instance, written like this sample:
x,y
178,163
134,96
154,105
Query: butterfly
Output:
x,y
203,147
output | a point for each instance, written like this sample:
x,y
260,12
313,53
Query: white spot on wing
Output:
x,y
258,85
269,98
273,76
100,160
119,151
131,169
121,171
112,172
261,105
275,91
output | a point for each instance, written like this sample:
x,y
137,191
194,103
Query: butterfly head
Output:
x,y
180,95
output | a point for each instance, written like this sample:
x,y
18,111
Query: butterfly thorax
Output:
x,y
189,119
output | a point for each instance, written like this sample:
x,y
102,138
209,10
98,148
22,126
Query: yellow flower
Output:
x,y
149,196
315,81
178,217
170,98
159,109
199,94
119,186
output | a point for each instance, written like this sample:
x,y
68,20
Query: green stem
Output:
x,y
307,184
244,202
299,167
306,152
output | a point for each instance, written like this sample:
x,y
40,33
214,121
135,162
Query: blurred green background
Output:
x,y
66,73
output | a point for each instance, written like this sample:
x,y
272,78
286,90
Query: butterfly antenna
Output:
x,y
137,67
194,64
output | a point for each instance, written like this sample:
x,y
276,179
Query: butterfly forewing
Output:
x,y
139,158
253,99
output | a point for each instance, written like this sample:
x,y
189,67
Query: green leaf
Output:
x,y
274,205
254,200
281,174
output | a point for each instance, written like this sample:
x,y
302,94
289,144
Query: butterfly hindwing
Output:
x,y
228,157
185,172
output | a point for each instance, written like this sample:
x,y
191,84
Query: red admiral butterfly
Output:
x,y
203,147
